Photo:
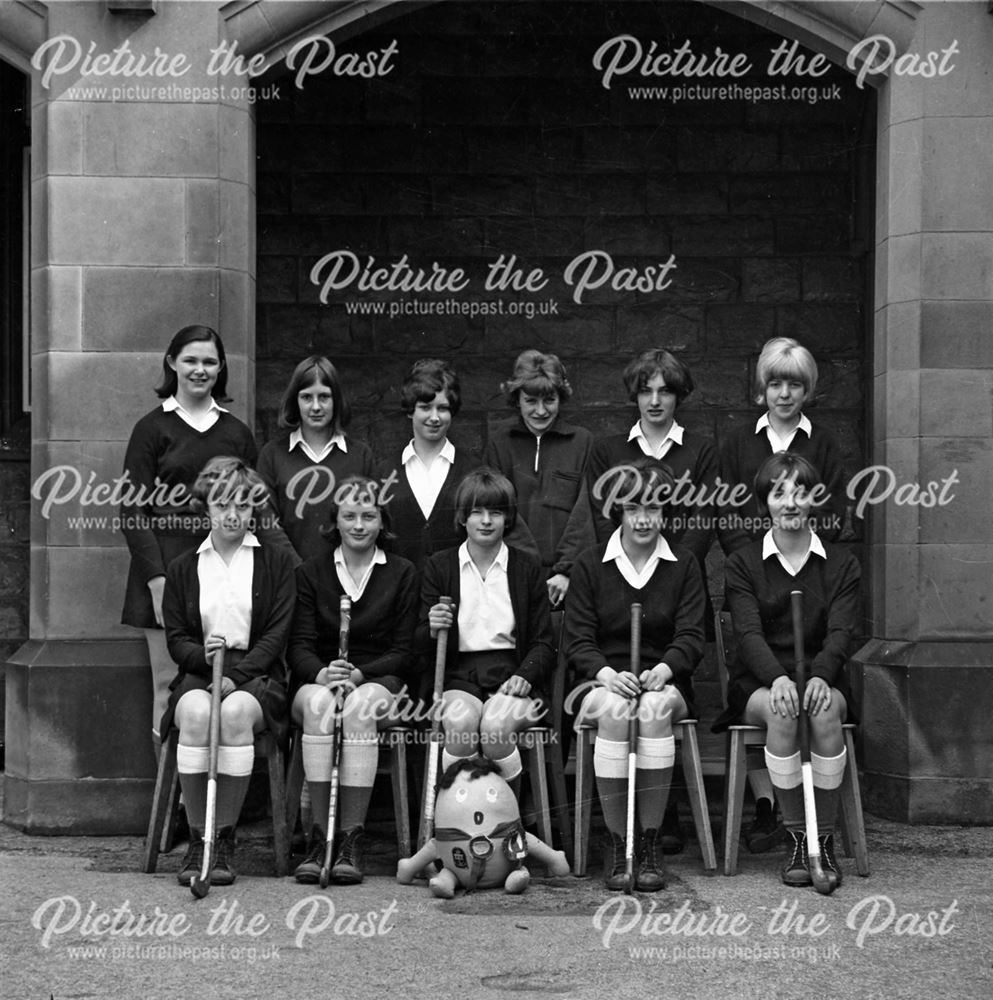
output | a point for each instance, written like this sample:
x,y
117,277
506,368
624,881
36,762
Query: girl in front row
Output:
x,y
384,593
234,593
500,645
635,565
762,690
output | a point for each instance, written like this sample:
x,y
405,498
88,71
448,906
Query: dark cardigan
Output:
x,y
598,618
382,626
278,465
695,456
165,448
273,597
534,641
418,537
741,457
758,594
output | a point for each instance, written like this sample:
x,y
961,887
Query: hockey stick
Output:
x,y
632,750
824,882
344,625
200,884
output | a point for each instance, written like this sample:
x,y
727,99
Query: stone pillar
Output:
x,y
927,675
143,209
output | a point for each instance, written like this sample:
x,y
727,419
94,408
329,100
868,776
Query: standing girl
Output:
x,y
167,449
234,593
383,590
303,467
545,459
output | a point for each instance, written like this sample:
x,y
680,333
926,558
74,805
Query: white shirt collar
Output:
x,y
615,549
297,438
378,557
763,423
770,548
171,404
674,434
249,542
500,560
447,453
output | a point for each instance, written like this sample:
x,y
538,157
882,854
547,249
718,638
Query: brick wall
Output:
x,y
493,135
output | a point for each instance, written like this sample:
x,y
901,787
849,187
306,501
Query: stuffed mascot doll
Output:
x,y
478,837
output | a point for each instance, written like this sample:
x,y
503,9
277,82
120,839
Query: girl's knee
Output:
x,y
313,707
240,716
657,710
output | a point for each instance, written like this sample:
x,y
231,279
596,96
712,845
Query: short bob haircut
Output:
x,y
315,370
780,467
359,489
224,477
646,476
485,487
641,369
189,335
427,378
784,358
536,374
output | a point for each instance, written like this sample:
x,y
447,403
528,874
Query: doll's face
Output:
x,y
476,805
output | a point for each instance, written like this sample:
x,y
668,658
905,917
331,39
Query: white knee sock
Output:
x,y
828,771
610,758
784,772
510,766
317,757
359,759
192,760
656,754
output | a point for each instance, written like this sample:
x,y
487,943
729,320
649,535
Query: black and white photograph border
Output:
x,y
382,181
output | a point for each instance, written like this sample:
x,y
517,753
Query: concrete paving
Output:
x,y
80,921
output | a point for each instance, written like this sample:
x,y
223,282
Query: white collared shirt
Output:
x,y
226,591
770,548
337,440
673,436
486,616
352,587
781,443
426,481
637,578
198,421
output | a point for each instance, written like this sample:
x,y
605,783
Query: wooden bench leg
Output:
x,y
584,799
401,803
852,818
693,770
734,797
166,780
277,798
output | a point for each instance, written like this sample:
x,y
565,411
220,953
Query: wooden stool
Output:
x,y
742,743
685,735
165,801
396,739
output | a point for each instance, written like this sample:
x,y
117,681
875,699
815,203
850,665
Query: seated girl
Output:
x,y
500,645
234,593
761,687
383,592
635,565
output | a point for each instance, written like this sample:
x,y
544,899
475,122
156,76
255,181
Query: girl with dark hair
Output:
x,y
500,644
303,467
167,449
383,590
761,690
659,383
234,593
545,458
635,565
